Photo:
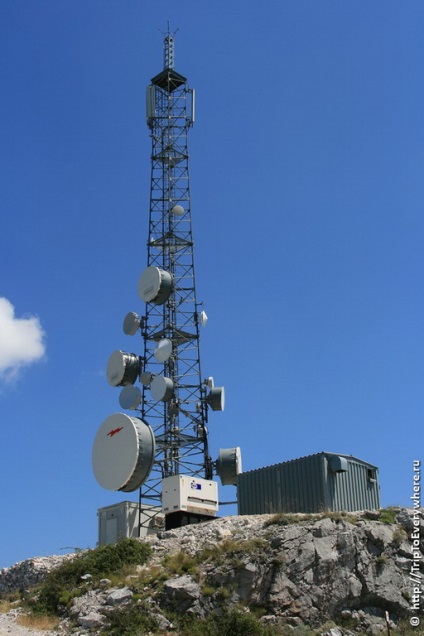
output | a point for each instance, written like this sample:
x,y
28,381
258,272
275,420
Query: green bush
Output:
x,y
180,563
388,515
228,624
340,516
286,519
64,583
399,536
231,548
223,593
131,620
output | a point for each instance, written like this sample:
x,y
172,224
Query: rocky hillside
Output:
x,y
292,571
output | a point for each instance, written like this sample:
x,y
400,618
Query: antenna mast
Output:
x,y
168,49
179,421
168,435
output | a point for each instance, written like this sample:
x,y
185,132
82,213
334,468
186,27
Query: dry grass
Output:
x,y
38,622
8,603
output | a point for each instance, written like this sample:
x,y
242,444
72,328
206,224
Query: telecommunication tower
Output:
x,y
167,435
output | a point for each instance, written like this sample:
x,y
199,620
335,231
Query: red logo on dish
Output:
x,y
115,430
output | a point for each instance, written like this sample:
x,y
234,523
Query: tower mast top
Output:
x,y
168,49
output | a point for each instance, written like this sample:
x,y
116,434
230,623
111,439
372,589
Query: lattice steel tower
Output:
x,y
171,324
168,435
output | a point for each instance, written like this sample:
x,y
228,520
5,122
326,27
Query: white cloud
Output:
x,y
21,341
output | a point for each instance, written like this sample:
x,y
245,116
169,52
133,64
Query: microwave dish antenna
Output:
x,y
123,453
229,465
130,397
122,368
132,323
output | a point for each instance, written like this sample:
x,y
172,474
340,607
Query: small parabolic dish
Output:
x,y
163,350
216,398
178,210
123,453
155,285
131,324
161,388
146,377
122,368
130,397
228,465
210,382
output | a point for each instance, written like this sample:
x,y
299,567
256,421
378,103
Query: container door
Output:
x,y
112,530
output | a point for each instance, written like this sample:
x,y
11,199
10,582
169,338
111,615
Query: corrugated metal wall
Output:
x,y
294,486
354,489
308,485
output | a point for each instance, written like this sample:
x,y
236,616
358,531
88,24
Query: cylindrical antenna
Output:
x,y
168,49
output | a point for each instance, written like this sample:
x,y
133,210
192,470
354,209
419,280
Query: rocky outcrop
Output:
x,y
310,572
25,574
298,569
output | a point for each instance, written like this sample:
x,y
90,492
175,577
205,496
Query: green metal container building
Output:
x,y
315,483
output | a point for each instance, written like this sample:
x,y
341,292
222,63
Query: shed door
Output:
x,y
112,530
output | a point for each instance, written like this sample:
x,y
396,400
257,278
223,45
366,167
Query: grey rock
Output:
x,y
91,620
295,621
379,534
222,533
183,587
167,534
323,528
405,519
121,595
268,619
162,622
346,613
325,548
283,592
305,558
374,515
89,602
245,580
182,592
26,574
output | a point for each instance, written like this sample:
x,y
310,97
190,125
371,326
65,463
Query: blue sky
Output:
x,y
307,191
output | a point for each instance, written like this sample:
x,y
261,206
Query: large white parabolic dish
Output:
x,y
123,452
161,388
122,368
155,285
163,350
